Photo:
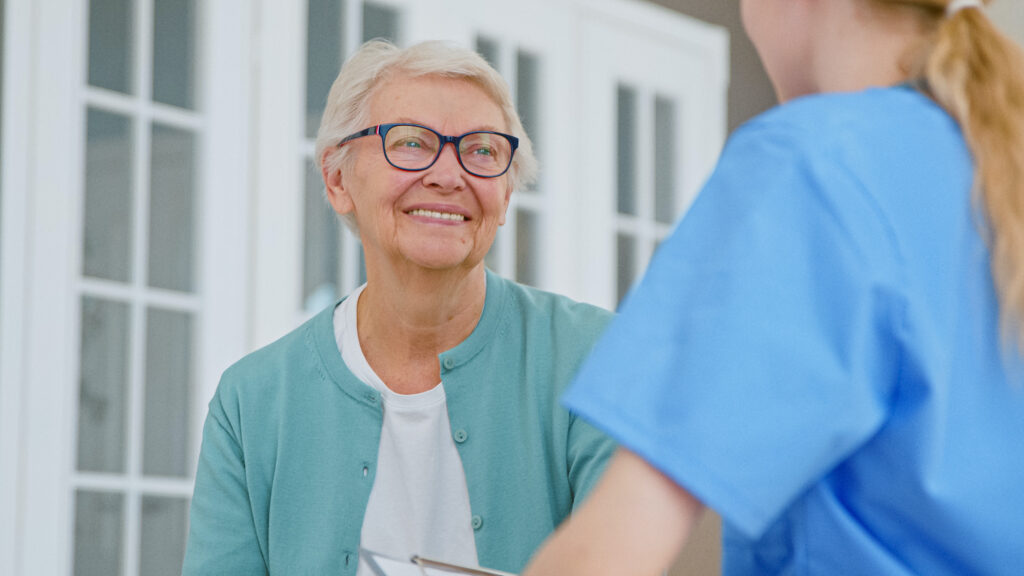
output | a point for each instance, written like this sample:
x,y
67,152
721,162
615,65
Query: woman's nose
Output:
x,y
447,172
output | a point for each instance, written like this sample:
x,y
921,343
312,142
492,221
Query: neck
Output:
x,y
406,319
859,45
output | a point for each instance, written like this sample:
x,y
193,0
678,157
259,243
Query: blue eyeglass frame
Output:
x,y
383,129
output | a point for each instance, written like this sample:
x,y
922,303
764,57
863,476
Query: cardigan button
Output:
x,y
449,363
461,435
477,522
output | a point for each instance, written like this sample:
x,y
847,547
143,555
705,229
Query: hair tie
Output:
x,y
958,5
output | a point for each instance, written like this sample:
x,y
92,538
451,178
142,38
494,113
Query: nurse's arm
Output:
x,y
634,523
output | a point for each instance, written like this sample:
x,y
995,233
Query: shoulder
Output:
x,y
540,306
877,127
834,117
265,371
853,159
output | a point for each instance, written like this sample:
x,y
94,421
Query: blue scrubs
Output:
x,y
815,351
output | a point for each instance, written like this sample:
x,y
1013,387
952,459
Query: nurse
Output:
x,y
827,350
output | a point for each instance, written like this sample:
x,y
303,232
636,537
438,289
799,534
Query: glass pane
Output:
x,y
626,149
492,259
174,52
380,22
321,254
527,242
324,41
362,266
172,209
98,533
108,197
626,269
164,528
168,393
528,95
664,160
111,34
488,48
103,386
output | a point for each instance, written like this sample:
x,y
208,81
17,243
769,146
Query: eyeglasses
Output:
x,y
412,147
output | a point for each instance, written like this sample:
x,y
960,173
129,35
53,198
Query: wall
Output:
x,y
1009,15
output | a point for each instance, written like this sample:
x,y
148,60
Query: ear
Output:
x,y
334,182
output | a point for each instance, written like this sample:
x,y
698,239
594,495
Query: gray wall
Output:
x,y
1009,15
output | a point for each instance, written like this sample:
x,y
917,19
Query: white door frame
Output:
x,y
16,98
53,233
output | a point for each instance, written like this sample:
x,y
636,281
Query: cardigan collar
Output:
x,y
320,336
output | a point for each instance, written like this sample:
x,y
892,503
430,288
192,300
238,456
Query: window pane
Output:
x,y
380,22
527,242
492,259
108,197
528,95
664,160
103,386
164,528
172,210
362,267
626,269
111,33
98,538
488,48
168,393
324,40
174,52
321,252
626,149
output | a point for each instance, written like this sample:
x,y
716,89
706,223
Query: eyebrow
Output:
x,y
407,120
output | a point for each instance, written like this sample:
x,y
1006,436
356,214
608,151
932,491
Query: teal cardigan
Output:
x,y
290,442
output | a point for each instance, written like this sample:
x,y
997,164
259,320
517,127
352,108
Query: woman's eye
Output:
x,y
483,151
409,143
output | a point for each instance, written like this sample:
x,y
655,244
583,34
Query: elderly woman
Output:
x,y
419,415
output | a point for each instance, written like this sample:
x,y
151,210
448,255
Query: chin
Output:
x,y
440,261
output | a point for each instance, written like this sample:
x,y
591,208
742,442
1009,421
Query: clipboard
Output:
x,y
384,565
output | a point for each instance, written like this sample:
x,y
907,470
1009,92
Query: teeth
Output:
x,y
438,215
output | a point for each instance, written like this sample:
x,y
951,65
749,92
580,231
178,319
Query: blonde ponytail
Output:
x,y
977,74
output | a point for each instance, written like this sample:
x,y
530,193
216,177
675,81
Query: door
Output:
x,y
655,125
135,273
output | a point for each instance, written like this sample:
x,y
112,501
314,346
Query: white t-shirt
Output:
x,y
419,503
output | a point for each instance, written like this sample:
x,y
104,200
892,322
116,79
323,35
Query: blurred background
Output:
x,y
160,216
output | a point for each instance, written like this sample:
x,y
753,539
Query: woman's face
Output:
x,y
439,218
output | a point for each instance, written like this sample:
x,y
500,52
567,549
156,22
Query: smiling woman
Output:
x,y
393,208
419,415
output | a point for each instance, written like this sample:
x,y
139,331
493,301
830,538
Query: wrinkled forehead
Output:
x,y
455,102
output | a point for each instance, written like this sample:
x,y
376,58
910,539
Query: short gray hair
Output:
x,y
377,61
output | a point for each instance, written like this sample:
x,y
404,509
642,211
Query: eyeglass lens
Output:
x,y
415,148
